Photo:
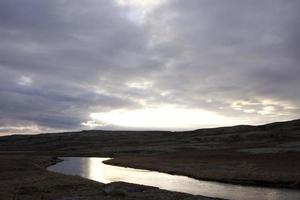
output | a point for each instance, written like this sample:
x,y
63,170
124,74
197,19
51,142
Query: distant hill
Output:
x,y
274,137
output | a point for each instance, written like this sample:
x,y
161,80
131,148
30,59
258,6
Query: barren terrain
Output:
x,y
266,155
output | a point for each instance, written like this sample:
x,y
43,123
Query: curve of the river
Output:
x,y
95,169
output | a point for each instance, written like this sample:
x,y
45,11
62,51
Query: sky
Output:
x,y
69,65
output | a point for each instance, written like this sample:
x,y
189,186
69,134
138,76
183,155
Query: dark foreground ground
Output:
x,y
267,155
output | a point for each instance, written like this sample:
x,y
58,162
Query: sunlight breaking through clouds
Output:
x,y
159,117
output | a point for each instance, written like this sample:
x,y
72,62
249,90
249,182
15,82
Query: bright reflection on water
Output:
x,y
94,169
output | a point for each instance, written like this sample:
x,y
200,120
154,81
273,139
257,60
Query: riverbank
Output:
x,y
24,177
264,169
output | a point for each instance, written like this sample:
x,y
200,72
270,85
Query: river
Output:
x,y
93,168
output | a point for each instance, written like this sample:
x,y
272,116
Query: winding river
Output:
x,y
95,169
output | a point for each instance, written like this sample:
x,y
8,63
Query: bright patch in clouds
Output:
x,y
139,85
7,130
263,107
162,117
142,4
139,8
25,81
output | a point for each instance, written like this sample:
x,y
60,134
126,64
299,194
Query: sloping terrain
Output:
x,y
261,155
270,138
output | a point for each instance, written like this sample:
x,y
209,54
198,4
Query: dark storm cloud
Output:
x,y
62,60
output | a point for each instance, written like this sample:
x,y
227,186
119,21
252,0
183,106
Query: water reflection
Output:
x,y
94,169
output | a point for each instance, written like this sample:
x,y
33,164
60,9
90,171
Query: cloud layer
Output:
x,y
62,62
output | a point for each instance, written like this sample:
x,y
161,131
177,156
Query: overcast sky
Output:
x,y
148,64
